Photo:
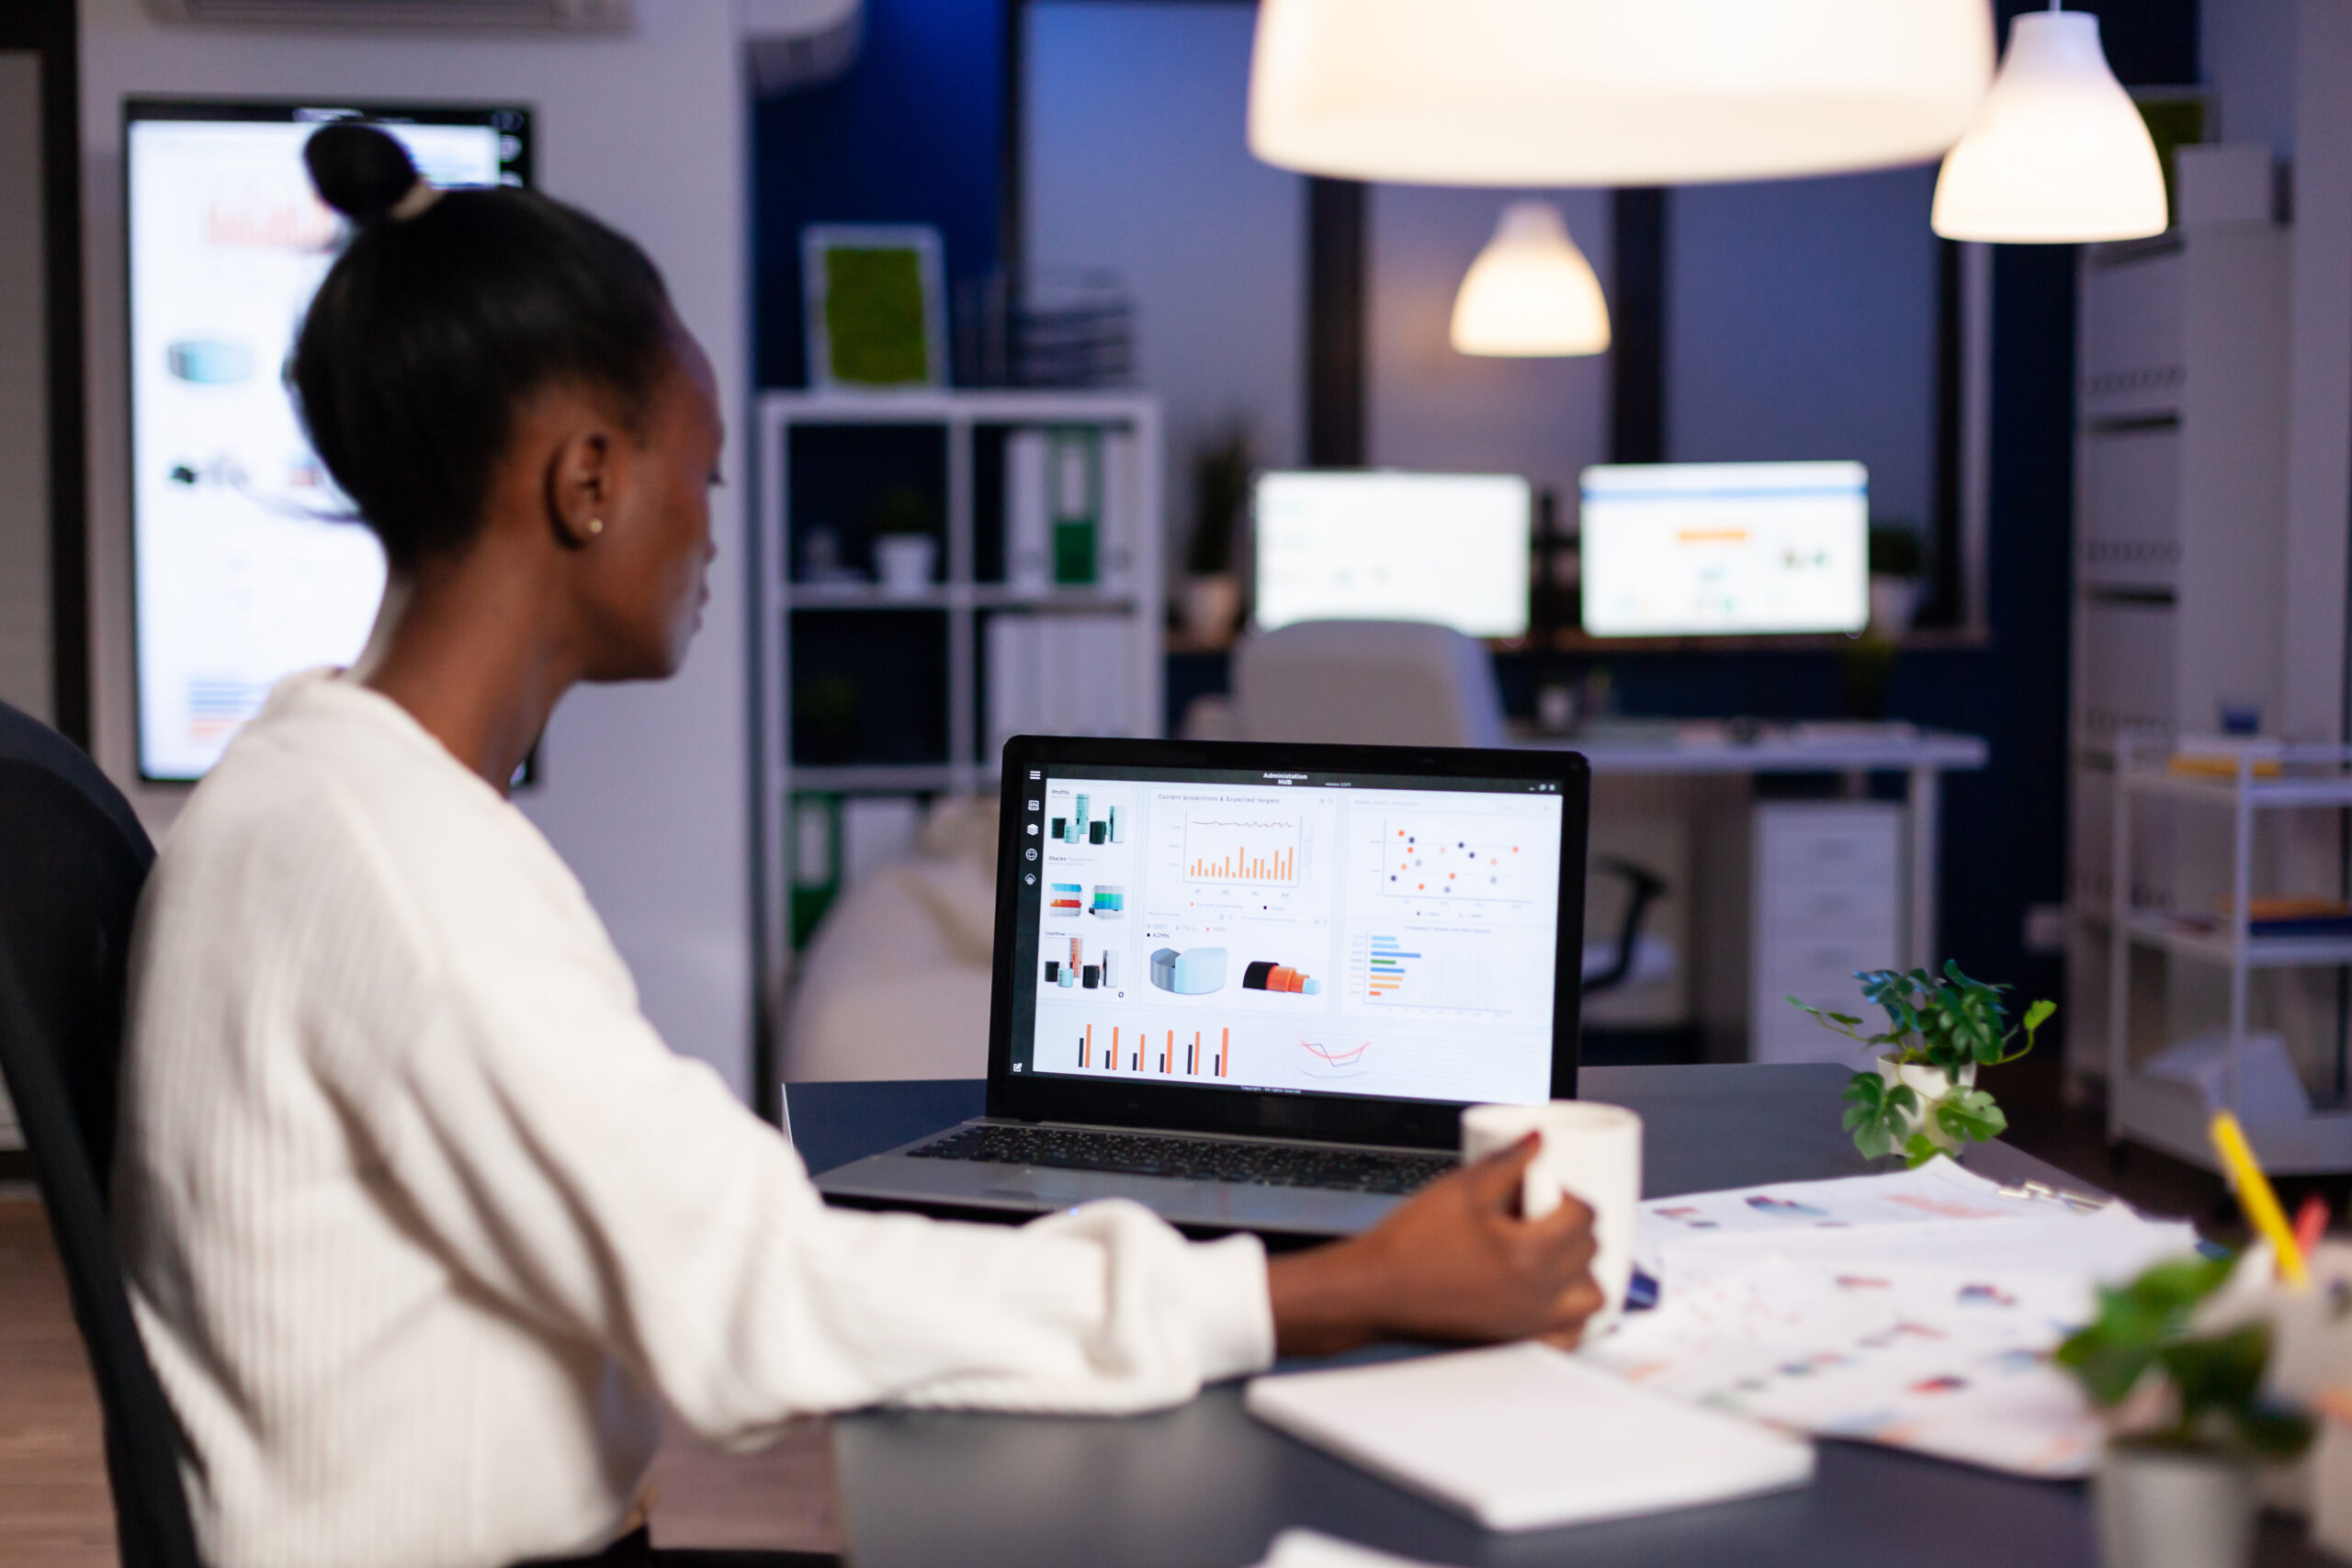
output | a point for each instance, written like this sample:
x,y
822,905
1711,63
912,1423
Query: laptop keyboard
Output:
x,y
1207,1159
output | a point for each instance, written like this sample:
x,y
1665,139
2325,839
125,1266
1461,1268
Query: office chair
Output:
x,y
1643,888
76,859
1367,683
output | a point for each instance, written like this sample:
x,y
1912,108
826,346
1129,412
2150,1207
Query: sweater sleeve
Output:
x,y
567,1162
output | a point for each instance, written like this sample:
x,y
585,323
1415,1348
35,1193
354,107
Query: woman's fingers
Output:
x,y
1495,1181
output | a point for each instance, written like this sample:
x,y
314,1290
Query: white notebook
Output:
x,y
1523,1436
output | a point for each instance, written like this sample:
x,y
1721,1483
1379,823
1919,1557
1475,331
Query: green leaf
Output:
x,y
2039,1014
1919,1150
1865,1088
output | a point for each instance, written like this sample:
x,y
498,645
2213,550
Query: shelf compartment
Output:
x,y
853,482
2174,1118
2152,928
868,687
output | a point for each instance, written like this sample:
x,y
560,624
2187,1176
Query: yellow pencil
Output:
x,y
2255,1196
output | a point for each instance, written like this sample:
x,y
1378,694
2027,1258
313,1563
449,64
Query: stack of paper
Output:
x,y
1917,1310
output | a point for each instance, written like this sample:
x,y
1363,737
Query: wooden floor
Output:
x,y
54,1508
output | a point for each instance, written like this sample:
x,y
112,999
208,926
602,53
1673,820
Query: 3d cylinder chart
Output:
x,y
1080,827
1166,1053
1195,972
1267,975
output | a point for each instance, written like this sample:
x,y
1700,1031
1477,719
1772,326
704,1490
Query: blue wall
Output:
x,y
912,134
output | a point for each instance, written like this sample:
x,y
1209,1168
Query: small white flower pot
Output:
x,y
903,562
2165,1507
1933,1085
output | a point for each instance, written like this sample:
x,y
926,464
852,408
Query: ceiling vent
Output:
x,y
418,16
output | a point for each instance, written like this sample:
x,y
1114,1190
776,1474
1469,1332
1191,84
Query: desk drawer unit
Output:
x,y
1827,902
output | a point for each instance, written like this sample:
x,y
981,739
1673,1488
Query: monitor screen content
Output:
x,y
1681,549
246,564
1385,547
1333,934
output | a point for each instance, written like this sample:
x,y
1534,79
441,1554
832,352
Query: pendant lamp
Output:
x,y
2059,153
1612,92
1531,292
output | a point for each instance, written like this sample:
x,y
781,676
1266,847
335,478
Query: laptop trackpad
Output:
x,y
1061,1187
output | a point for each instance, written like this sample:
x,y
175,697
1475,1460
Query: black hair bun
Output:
x,y
358,170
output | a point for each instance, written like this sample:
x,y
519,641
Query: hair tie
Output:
x,y
421,194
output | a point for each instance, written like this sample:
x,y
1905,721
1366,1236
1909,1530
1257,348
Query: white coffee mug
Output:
x,y
1593,1152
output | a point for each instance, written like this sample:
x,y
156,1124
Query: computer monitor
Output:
x,y
1681,549
246,564
1382,546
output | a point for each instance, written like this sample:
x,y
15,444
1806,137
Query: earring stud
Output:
x,y
595,524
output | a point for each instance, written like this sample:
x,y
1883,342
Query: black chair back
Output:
x,y
73,859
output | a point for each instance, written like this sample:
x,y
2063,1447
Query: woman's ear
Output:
x,y
581,479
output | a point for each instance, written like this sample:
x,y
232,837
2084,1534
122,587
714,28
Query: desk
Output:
x,y
1922,756
1206,1485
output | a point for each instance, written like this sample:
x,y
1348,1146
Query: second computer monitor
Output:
x,y
1354,544
1677,549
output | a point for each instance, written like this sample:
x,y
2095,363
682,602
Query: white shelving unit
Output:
x,y
2180,548
933,640
2170,1115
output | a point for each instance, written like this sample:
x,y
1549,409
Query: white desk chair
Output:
x,y
1367,683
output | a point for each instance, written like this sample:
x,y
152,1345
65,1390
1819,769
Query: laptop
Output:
x,y
1253,987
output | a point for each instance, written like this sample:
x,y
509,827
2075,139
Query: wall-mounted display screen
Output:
x,y
1394,547
248,563
1685,549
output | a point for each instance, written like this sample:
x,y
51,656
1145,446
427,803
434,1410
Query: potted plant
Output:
x,y
1222,465
1897,569
1920,1100
906,542
2189,1422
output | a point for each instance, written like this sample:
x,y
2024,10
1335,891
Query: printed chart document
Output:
x,y
1917,1309
1523,1436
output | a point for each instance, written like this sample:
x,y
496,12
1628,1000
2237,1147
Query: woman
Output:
x,y
423,1222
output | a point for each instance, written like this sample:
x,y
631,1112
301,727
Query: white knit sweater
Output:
x,y
422,1219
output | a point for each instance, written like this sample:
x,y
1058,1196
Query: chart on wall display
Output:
x,y
248,563
1379,941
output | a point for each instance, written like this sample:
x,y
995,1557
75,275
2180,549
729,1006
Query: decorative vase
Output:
x,y
1933,1085
1212,604
2160,1506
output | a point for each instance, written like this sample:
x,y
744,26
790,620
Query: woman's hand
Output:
x,y
1455,1262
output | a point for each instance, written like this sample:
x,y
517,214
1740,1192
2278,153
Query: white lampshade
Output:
x,y
1612,92
2058,154
1531,292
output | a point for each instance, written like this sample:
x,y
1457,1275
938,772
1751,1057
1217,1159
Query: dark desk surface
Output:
x,y
1206,1485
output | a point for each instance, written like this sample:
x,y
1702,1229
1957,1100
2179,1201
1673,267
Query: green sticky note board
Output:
x,y
874,323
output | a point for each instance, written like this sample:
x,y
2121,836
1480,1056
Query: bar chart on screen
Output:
x,y
1456,973
1147,1051
1241,843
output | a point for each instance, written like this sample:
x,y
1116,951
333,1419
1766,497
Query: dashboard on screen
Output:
x,y
247,564
1677,549
1341,935
1381,545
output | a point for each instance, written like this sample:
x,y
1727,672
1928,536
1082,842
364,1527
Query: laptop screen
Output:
x,y
1372,935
